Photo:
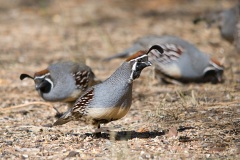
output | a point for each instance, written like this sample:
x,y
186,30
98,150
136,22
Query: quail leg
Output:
x,y
98,131
58,114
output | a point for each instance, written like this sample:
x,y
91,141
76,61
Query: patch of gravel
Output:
x,y
195,121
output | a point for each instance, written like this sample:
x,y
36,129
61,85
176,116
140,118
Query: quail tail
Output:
x,y
64,119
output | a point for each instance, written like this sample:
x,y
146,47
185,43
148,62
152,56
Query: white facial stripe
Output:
x,y
208,69
138,57
216,66
41,77
133,69
135,60
50,81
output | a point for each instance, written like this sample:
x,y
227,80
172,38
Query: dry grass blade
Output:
x,y
203,119
222,104
9,109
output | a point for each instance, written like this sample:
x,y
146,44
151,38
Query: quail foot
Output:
x,y
63,81
110,100
181,62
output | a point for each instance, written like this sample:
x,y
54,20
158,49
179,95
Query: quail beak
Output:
x,y
149,63
41,85
220,78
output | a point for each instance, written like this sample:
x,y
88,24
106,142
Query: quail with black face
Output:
x,y
110,100
181,62
63,81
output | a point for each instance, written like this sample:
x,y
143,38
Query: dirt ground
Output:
x,y
194,121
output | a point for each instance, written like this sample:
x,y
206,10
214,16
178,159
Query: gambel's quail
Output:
x,y
181,61
226,21
111,99
237,36
62,81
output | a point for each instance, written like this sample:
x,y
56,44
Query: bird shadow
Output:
x,y
126,135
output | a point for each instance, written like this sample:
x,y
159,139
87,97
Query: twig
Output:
x,y
24,105
212,105
220,105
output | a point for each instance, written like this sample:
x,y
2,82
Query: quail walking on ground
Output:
x,y
237,36
63,81
227,21
181,62
111,99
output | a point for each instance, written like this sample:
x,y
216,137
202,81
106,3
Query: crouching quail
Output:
x,y
181,62
110,100
237,36
63,81
226,20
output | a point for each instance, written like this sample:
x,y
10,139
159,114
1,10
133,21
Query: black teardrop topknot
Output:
x,y
157,47
23,76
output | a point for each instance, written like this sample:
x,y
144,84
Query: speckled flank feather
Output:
x,y
82,102
78,110
171,53
82,79
41,73
139,53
